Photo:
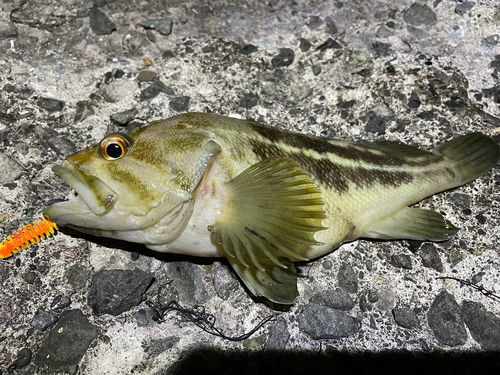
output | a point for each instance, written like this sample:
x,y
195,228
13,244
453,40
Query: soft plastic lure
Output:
x,y
29,235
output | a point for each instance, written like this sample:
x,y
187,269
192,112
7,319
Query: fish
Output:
x,y
264,198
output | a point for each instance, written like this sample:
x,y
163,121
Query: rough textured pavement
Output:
x,y
417,72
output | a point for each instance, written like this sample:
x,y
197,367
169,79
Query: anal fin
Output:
x,y
413,224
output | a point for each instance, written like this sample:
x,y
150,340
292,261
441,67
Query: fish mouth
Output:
x,y
93,194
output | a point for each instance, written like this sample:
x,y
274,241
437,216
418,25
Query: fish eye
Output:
x,y
115,145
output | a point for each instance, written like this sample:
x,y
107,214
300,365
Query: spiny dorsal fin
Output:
x,y
268,221
413,224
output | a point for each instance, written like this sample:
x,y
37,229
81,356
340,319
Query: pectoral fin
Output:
x,y
414,224
268,221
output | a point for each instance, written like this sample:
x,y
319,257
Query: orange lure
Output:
x,y
30,235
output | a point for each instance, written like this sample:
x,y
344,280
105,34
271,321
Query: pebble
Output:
x,y
402,261
405,317
418,15
304,45
248,49
67,341
7,29
464,7
430,257
162,25
347,279
336,299
146,76
414,101
284,58
43,320
376,124
179,104
100,22
249,100
224,282
77,276
153,90
23,358
51,139
123,118
383,32
445,320
116,291
83,111
386,300
484,326
316,69
321,322
278,335
51,105
188,281
60,302
331,27
329,44
9,170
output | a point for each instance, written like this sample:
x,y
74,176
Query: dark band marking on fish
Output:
x,y
129,178
348,152
332,175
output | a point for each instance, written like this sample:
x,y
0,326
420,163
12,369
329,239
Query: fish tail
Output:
x,y
470,155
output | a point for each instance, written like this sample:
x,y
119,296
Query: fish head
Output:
x,y
129,183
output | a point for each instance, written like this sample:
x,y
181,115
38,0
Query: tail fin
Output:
x,y
472,155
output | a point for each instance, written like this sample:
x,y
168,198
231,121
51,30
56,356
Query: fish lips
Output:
x,y
93,194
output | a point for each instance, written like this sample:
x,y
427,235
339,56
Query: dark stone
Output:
x,y
162,25
248,49
146,317
278,335
153,90
7,30
146,76
157,346
51,139
223,280
329,44
331,28
123,118
402,261
381,49
67,342
336,299
367,72
445,320
23,358
347,279
373,296
464,7
284,58
376,124
316,69
51,105
320,322
116,291
30,277
77,275
491,40
418,15
414,101
483,325
492,93
406,317
100,22
188,280
60,302
43,320
383,32
304,45
180,104
430,257
249,100
364,306
9,88
427,115
83,110
461,200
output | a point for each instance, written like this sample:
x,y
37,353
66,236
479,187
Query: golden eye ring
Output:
x,y
115,146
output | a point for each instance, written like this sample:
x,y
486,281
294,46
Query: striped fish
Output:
x,y
264,198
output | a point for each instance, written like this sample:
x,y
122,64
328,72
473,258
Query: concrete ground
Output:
x,y
418,72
